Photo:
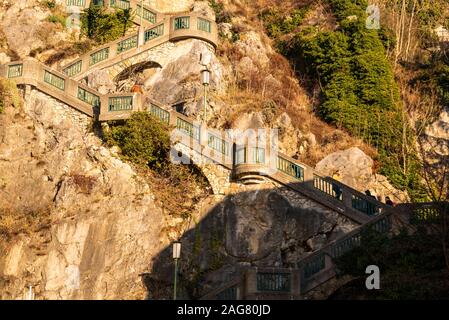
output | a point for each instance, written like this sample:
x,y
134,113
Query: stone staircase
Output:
x,y
215,147
156,29
319,267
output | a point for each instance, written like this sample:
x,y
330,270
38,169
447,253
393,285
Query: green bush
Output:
x,y
278,23
221,15
143,139
411,266
50,4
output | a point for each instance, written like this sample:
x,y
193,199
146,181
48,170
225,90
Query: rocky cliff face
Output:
x,y
102,223
265,226
354,168
86,225
99,227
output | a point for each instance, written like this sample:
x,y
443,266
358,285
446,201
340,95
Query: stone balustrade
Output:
x,y
293,283
164,28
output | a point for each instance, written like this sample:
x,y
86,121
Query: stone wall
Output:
x,y
60,111
219,177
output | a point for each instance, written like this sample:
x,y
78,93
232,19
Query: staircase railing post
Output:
x,y
250,283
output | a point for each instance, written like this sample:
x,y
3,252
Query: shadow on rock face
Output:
x,y
254,224
262,228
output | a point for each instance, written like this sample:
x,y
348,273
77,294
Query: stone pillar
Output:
x,y
250,284
296,283
308,176
172,122
347,197
141,36
104,108
71,87
27,92
203,135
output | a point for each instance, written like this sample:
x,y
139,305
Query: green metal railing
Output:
x,y
382,226
204,25
330,188
240,156
364,205
290,168
120,103
147,14
127,44
218,144
314,266
15,70
88,97
188,128
424,215
228,294
343,246
273,282
78,3
160,113
182,23
258,155
121,4
98,56
73,69
54,80
154,33
98,2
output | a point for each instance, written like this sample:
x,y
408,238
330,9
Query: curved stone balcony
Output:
x,y
193,26
251,173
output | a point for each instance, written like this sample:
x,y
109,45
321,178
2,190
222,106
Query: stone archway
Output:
x,y
134,69
135,74
218,176
154,57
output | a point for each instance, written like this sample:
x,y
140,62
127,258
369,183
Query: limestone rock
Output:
x,y
253,120
104,223
353,164
251,45
289,137
355,169
245,67
437,135
264,225
225,29
204,8
100,81
179,78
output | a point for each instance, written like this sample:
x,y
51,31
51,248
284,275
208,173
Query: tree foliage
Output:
x,y
411,266
358,89
102,27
